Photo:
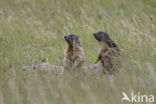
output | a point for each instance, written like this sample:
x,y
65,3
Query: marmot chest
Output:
x,y
72,57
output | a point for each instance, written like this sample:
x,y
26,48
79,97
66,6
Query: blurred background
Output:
x,y
33,30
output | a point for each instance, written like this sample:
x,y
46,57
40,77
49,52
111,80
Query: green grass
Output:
x,y
34,29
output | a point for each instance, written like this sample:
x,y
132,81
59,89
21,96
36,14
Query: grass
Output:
x,y
33,30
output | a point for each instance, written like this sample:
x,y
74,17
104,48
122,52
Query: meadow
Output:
x,y
34,30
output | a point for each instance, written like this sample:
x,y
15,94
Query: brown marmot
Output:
x,y
74,57
107,49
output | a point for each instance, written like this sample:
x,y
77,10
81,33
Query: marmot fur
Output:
x,y
74,57
107,49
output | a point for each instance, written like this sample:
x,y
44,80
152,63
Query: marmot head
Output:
x,y
101,36
72,40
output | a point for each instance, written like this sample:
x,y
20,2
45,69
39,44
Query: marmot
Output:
x,y
107,49
74,57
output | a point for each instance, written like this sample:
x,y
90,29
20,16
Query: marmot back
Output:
x,y
74,57
107,49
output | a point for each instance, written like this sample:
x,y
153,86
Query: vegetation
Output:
x,y
32,30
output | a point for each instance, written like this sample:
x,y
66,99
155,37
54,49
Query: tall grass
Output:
x,y
31,30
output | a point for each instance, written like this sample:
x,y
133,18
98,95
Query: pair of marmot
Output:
x,y
75,58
